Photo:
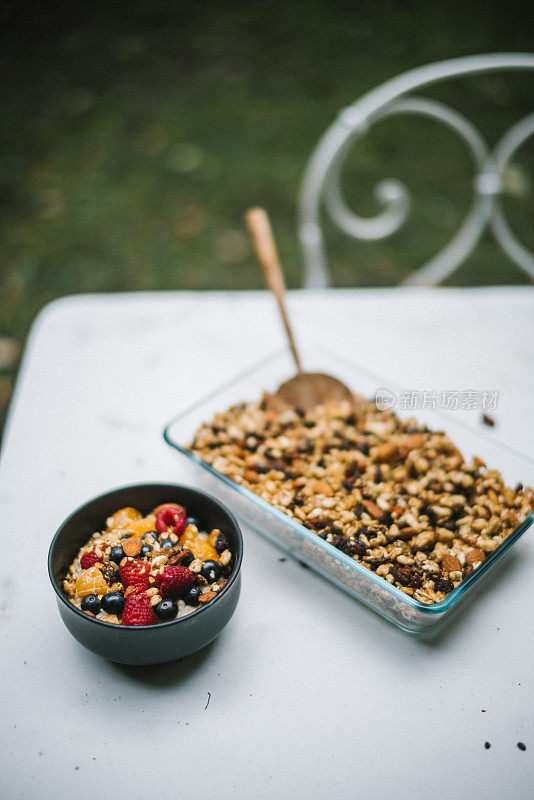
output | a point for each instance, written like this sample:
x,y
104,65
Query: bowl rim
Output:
x,y
158,625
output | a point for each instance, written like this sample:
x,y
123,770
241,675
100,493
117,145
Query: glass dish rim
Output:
x,y
424,608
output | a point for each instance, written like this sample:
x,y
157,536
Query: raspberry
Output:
x,y
137,610
135,573
174,581
171,517
88,559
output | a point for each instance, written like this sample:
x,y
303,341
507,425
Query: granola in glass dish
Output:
x,y
398,498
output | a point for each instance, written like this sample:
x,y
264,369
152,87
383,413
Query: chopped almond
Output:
x,y
132,546
386,453
206,597
373,509
413,441
322,487
451,564
475,555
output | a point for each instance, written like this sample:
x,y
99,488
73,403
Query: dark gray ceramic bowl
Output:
x,y
147,644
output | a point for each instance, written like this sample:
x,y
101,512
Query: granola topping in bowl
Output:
x,y
141,570
393,495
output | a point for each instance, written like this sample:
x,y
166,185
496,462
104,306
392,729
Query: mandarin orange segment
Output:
x,y
143,525
123,518
91,581
212,538
199,547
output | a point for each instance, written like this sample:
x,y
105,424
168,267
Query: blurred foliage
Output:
x,y
133,137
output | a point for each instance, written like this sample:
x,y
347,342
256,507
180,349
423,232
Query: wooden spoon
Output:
x,y
307,389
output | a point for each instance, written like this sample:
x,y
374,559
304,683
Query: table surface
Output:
x,y
311,694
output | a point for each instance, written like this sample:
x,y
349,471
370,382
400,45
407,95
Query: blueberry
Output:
x,y
186,558
153,534
193,521
166,544
117,554
146,549
167,609
192,595
211,571
113,602
91,603
221,543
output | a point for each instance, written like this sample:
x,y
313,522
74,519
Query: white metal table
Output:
x,y
311,694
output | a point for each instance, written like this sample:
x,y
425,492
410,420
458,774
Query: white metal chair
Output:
x,y
321,184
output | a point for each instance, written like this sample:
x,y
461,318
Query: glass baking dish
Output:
x,y
407,613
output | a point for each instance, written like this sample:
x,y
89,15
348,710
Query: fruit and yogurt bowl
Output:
x,y
141,570
147,573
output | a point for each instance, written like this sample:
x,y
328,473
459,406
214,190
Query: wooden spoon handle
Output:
x,y
262,238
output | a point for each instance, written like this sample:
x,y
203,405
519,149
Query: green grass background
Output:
x,y
134,136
